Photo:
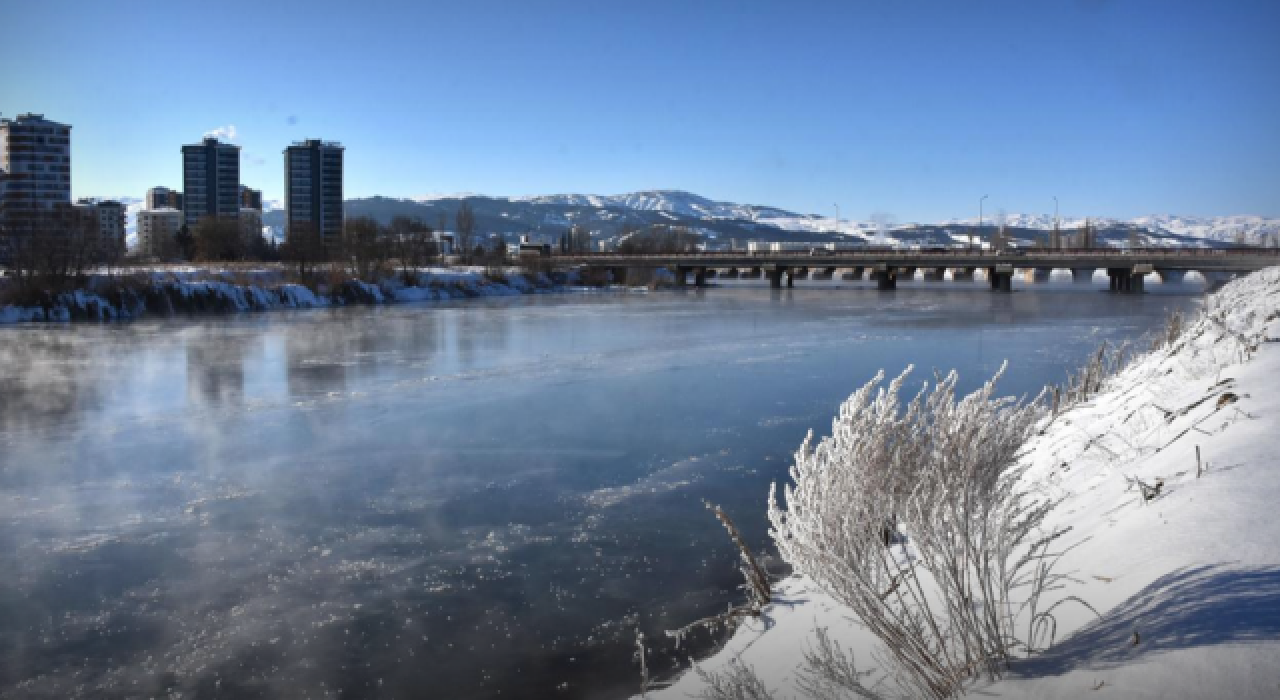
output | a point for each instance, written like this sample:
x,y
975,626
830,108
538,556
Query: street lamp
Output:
x,y
837,206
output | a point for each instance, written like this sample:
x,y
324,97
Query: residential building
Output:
x,y
163,198
313,188
157,229
111,226
102,223
210,181
35,155
250,198
250,225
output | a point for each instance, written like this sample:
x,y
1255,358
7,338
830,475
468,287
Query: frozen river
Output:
x,y
469,500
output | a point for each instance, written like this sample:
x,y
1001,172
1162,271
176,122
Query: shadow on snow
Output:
x,y
1192,607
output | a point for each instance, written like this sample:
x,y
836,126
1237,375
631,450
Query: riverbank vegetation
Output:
x,y
65,273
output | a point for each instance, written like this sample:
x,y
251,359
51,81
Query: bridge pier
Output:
x,y
886,277
681,273
1126,270
1214,280
1126,280
1001,278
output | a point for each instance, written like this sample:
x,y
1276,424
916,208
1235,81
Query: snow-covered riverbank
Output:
x,y
1186,584
198,290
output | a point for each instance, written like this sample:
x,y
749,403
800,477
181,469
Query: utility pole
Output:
x,y
1057,235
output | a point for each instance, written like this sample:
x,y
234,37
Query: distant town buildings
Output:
x,y
35,157
313,188
157,229
163,198
210,181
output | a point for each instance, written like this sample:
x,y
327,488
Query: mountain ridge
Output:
x,y
608,216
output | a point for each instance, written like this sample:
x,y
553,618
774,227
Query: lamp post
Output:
x,y
837,206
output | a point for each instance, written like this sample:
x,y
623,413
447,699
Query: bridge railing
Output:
x,y
897,253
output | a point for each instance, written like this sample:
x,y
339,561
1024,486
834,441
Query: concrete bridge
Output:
x,y
1127,269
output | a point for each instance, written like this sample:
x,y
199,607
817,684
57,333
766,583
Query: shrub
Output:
x,y
912,517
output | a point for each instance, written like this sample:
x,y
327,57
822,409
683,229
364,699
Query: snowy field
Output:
x,y
1186,584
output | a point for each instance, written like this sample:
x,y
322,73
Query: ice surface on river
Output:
x,y
466,495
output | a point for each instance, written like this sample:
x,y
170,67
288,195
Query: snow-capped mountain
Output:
x,y
1227,229
671,201
607,217
1219,228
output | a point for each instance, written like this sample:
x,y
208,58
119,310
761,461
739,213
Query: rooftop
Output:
x,y
314,143
32,119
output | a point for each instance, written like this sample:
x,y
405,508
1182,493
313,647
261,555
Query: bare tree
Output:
x,y
52,250
465,225
365,249
303,247
412,246
218,239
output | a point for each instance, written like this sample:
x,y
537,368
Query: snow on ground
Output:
x,y
1187,584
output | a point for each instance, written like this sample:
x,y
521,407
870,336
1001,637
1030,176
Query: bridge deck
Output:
x,y
1225,260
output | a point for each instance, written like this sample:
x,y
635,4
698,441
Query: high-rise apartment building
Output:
x,y
163,198
210,181
313,188
35,157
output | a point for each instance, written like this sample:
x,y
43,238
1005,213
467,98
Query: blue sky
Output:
x,y
913,109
